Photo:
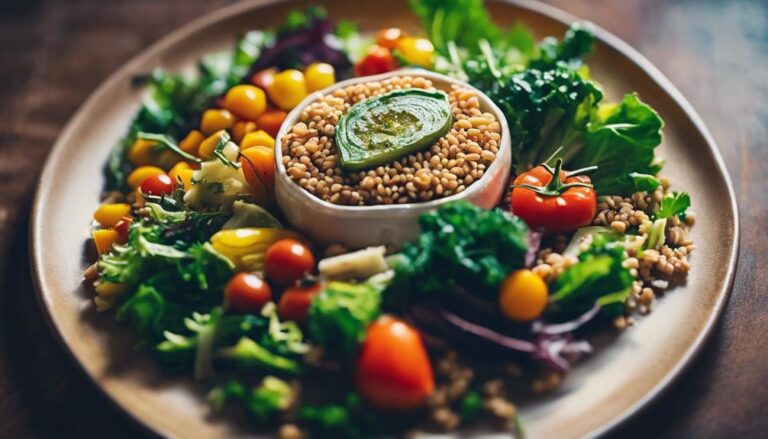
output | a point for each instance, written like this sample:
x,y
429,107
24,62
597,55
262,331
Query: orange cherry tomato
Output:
x,y
377,60
287,261
160,184
271,120
294,303
247,293
562,205
389,37
258,165
393,369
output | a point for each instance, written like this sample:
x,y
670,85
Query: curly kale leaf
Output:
x,y
461,245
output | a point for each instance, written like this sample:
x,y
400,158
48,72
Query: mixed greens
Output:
x,y
195,255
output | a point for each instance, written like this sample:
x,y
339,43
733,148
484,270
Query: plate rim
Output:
x,y
533,6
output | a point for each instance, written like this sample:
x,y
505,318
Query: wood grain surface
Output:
x,y
54,53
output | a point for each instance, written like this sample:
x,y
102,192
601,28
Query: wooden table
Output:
x,y
54,53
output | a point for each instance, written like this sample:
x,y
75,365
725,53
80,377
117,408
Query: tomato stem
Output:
x,y
556,187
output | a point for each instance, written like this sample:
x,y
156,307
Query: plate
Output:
x,y
602,391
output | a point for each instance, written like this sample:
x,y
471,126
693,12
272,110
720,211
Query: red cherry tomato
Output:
x,y
247,293
562,205
122,228
294,303
160,184
287,261
378,60
393,369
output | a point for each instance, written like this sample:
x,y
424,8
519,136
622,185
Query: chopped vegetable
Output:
x,y
360,264
674,205
461,245
245,101
376,61
319,76
598,277
109,214
249,215
271,397
295,302
288,88
346,420
340,314
247,247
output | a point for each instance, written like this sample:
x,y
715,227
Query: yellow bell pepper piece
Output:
x,y
110,288
104,239
141,173
109,214
246,247
141,152
209,145
192,142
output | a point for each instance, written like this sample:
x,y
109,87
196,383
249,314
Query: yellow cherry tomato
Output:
x,y
245,101
418,51
318,76
288,88
209,145
241,128
257,138
141,173
142,152
192,142
523,296
109,214
215,120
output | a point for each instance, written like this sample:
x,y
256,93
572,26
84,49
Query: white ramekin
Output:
x,y
361,226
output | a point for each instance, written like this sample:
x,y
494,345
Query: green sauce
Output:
x,y
385,128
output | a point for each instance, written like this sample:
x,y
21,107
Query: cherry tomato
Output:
x,y
287,261
418,51
389,37
294,303
318,76
393,370
288,88
258,165
556,205
245,101
247,293
160,184
263,78
523,296
271,121
378,60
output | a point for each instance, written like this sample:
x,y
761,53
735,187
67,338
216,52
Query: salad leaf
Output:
x,y
599,276
578,42
340,315
145,309
262,402
674,205
249,355
621,142
347,420
461,245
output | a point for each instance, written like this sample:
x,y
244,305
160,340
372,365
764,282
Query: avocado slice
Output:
x,y
387,127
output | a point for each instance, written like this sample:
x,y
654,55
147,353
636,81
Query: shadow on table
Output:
x,y
44,394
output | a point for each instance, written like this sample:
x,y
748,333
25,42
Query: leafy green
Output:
x,y
621,142
674,205
347,420
461,245
145,309
598,277
471,405
340,314
249,355
262,402
578,42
